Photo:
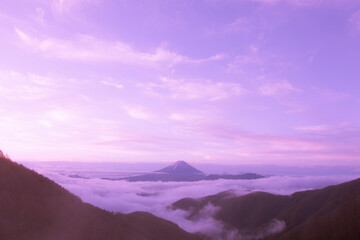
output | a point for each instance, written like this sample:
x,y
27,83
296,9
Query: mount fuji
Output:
x,y
180,167
181,171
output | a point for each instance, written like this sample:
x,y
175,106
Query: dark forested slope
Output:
x,y
332,213
34,207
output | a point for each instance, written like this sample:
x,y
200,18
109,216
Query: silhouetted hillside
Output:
x,y
332,213
33,207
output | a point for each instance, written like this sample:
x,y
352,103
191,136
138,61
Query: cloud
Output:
x,y
143,196
59,115
89,48
271,228
154,197
257,62
295,2
239,25
277,88
244,63
355,19
204,222
331,94
113,84
184,89
325,128
229,142
304,3
138,113
189,117
19,86
39,15
64,6
315,128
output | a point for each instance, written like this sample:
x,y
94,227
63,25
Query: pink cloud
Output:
x,y
64,6
304,3
138,113
113,84
241,63
331,94
15,85
240,24
89,48
184,89
355,19
277,88
325,128
227,141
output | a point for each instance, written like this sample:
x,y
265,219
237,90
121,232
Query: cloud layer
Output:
x,y
154,197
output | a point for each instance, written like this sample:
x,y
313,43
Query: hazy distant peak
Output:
x,y
181,171
180,164
180,167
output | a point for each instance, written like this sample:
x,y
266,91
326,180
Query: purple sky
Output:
x,y
207,81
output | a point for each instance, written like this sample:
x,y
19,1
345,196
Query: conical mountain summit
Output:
x,y
181,171
180,167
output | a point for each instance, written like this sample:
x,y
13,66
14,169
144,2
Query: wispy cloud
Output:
x,y
39,15
190,117
138,113
15,85
113,84
242,63
296,2
304,3
326,128
239,25
315,128
228,141
64,6
331,94
355,19
192,89
59,115
89,48
277,88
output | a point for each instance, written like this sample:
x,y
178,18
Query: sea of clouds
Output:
x,y
155,197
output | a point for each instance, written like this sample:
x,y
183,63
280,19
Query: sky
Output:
x,y
207,81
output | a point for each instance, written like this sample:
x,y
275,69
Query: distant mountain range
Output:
x,y
182,171
32,207
332,213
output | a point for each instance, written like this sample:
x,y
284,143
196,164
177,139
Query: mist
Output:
x,y
155,197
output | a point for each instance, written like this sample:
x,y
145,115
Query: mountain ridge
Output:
x,y
329,213
33,207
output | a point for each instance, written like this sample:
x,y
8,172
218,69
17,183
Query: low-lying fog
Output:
x,y
85,181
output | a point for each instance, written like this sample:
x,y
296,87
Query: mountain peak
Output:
x,y
180,167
